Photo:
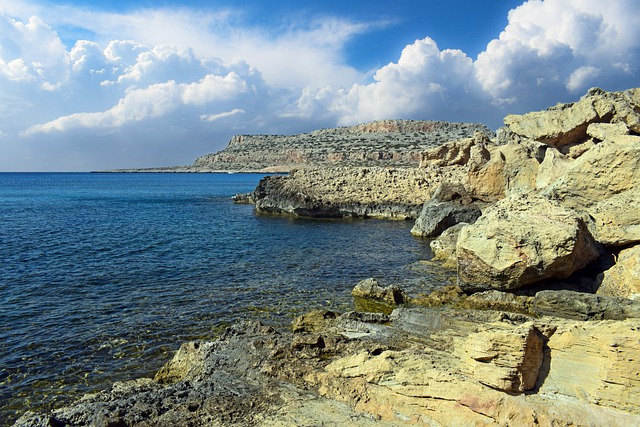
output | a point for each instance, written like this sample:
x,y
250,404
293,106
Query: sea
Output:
x,y
104,275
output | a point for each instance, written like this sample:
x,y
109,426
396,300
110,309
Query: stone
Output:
x,y
617,218
314,321
567,124
623,279
346,192
602,131
609,168
522,240
554,165
497,171
444,246
507,360
371,289
584,306
436,217
498,300
596,362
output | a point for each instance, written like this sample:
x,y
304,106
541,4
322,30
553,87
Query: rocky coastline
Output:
x,y
540,223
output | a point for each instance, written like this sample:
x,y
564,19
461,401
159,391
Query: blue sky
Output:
x,y
88,85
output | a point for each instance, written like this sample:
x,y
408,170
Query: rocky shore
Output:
x,y
540,223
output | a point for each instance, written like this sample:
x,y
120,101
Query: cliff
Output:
x,y
395,143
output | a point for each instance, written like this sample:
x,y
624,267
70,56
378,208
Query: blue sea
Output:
x,y
103,276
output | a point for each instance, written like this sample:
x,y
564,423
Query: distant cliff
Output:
x,y
380,143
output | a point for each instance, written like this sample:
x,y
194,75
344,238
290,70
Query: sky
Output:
x,y
103,84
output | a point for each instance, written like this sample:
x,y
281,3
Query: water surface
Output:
x,y
102,276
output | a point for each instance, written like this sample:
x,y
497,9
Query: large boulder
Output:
x,y
604,182
623,279
508,360
521,240
496,171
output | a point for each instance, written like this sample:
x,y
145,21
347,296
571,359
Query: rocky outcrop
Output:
x,y
522,240
386,143
567,124
583,306
345,192
426,367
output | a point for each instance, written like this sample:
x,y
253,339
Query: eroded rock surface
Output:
x,y
522,240
430,367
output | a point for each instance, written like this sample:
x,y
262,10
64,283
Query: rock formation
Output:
x,y
559,230
521,240
423,367
386,143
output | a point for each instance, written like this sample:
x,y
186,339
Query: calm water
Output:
x,y
102,276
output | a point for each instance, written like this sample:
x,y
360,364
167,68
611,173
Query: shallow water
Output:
x,y
102,276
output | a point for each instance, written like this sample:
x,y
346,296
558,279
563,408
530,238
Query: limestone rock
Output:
x,y
611,167
617,219
314,321
449,206
554,165
596,362
568,123
623,279
583,306
602,131
371,289
521,240
508,360
497,300
497,171
444,247
604,183
346,192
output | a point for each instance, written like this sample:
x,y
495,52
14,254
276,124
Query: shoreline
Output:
x,y
542,328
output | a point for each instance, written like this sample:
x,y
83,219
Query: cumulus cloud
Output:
x,y
150,73
152,102
549,51
32,52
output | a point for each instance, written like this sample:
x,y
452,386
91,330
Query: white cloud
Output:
x,y
190,79
32,51
155,101
550,51
215,117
